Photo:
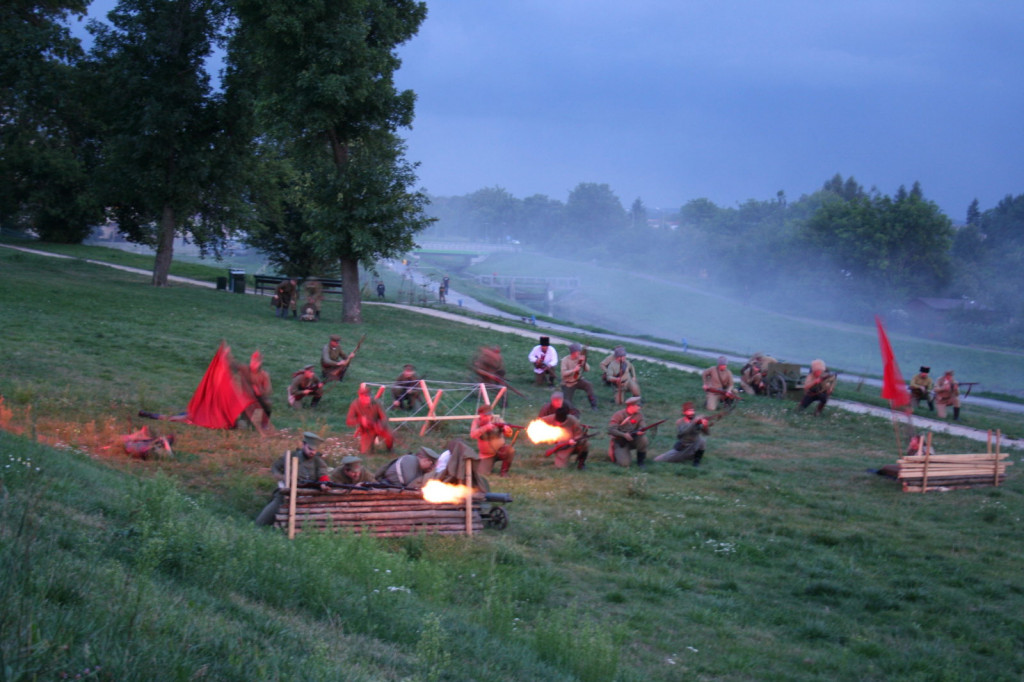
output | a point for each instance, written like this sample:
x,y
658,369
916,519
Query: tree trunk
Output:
x,y
352,298
164,247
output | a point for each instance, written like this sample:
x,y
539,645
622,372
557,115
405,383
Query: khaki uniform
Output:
x,y
490,442
303,386
921,389
717,382
578,433
690,441
572,378
622,428
333,362
947,394
620,373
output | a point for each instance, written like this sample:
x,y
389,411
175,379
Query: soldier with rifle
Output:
x,y
577,443
312,470
409,471
619,372
369,420
490,432
573,367
405,391
304,383
333,360
690,432
255,382
818,386
718,384
627,431
544,358
351,472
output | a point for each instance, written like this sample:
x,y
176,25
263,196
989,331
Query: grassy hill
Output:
x,y
779,558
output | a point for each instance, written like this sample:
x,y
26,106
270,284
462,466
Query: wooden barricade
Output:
x,y
383,513
926,471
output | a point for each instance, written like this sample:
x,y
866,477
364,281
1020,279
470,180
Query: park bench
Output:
x,y
268,283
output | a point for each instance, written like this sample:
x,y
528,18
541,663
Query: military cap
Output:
x,y
483,409
688,406
335,338
925,370
427,452
558,395
575,348
350,459
634,400
722,361
619,352
311,439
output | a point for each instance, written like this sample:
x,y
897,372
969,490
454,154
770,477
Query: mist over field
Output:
x,y
634,303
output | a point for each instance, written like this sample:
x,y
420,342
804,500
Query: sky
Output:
x,y
673,100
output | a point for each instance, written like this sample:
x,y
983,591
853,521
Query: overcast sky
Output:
x,y
672,100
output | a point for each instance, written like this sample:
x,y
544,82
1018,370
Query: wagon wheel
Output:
x,y
776,386
497,519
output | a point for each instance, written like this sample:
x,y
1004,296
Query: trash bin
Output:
x,y
237,280
222,283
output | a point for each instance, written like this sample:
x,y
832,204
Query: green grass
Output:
x,y
780,558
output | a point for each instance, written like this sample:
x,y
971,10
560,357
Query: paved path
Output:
x,y
550,329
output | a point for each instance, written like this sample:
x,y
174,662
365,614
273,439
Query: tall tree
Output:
x,y
168,138
322,74
593,210
46,148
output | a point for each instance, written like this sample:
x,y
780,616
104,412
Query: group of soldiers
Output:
x,y
939,395
626,430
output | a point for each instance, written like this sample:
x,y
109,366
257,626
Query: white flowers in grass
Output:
x,y
720,547
16,463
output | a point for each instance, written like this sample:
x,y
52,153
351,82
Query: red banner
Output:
x,y
219,400
894,388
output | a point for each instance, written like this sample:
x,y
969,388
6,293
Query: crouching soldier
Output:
x,y
627,431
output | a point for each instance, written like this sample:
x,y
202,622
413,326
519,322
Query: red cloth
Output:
x,y
219,400
894,388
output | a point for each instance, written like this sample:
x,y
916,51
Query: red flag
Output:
x,y
894,388
218,401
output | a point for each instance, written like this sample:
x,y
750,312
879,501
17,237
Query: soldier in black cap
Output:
x,y
545,359
921,389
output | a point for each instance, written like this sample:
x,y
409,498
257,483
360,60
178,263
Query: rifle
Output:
x,y
338,373
409,389
826,384
580,366
640,432
729,395
566,443
498,380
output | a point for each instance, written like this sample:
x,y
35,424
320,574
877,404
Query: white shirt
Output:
x,y
550,358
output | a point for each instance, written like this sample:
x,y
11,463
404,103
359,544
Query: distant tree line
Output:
x,y
296,147
841,252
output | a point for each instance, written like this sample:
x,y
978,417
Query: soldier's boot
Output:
x,y
931,405
698,457
581,461
956,414
641,458
314,402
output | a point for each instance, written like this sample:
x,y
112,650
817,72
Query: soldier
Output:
x,y
312,470
544,358
921,389
304,383
405,393
627,429
573,367
690,442
333,360
314,291
718,384
818,386
256,384
576,442
285,295
489,365
947,394
556,402
490,433
369,420
409,471
451,466
753,374
618,371
351,472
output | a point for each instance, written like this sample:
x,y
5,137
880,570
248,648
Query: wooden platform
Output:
x,y
930,471
383,513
